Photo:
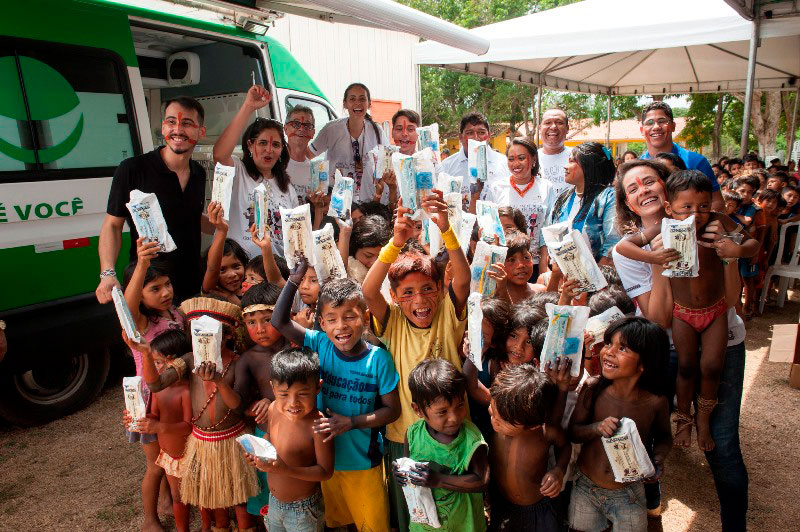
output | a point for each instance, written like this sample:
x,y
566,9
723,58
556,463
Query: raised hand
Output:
x,y
146,250
299,270
263,243
257,97
215,216
558,371
403,226
436,207
208,372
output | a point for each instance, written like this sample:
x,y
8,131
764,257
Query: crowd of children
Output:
x,y
347,377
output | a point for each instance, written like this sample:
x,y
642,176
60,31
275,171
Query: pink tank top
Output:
x,y
156,326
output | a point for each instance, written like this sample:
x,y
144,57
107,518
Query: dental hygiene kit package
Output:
x,y
485,255
132,388
298,237
222,187
342,197
572,254
626,453
597,325
424,171
414,179
207,341
329,261
477,160
149,220
124,314
453,201
381,159
489,222
465,231
681,235
421,506
319,180
474,330
260,216
449,183
258,447
564,337
429,138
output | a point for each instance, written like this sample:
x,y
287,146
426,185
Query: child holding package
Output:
x,y
522,487
359,395
452,451
225,260
170,417
634,361
304,457
519,268
423,320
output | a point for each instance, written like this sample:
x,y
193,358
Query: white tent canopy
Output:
x,y
632,47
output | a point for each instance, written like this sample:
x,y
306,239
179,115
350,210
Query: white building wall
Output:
x,y
336,55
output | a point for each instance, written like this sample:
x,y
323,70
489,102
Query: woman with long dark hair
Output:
x,y
265,156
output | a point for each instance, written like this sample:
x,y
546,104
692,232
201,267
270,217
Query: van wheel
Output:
x,y
42,394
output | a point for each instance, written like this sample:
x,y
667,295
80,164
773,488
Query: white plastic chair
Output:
x,y
786,271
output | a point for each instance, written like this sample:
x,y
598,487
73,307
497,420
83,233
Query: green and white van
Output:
x,y
81,86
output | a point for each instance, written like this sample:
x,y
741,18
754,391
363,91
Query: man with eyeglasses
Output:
x,y
178,182
299,129
657,128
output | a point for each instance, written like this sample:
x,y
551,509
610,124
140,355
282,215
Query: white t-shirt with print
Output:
x,y
243,209
335,139
300,177
458,165
535,205
551,167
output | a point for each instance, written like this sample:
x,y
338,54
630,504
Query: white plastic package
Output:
x,y
298,238
260,213
564,337
124,314
149,220
449,183
342,197
424,172
419,499
477,160
474,329
681,235
453,201
258,447
626,453
573,256
405,173
465,231
319,180
381,156
428,137
135,404
329,263
597,325
489,222
207,341
485,255
222,187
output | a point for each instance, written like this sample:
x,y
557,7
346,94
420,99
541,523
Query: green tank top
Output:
x,y
457,511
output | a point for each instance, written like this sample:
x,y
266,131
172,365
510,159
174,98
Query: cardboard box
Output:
x,y
785,345
794,376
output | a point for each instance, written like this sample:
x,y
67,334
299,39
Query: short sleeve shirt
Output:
x,y
182,209
300,177
350,387
458,165
693,161
551,167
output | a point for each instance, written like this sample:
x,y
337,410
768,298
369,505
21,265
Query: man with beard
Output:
x,y
178,183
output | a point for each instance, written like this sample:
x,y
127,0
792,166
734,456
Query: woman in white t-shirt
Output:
x,y
264,160
348,140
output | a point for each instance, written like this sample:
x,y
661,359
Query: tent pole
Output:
x,y
790,142
534,117
539,111
751,70
608,122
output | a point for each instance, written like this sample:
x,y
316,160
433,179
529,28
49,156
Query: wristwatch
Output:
x,y
108,273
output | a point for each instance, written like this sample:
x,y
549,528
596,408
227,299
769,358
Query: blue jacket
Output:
x,y
598,223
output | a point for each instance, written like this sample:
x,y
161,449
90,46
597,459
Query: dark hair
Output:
x,y
434,378
410,114
337,292
537,301
517,242
537,335
498,313
231,247
658,106
687,180
611,275
369,101
256,264
752,158
261,294
299,108
472,119
412,262
789,188
516,216
613,296
734,160
250,135
732,196
523,317
627,220
635,155
532,151
157,268
598,174
767,194
651,342
187,102
295,364
723,160
375,208
749,180
783,176
369,232
676,161
172,343
523,395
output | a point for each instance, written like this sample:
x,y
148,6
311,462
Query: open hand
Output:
x,y
333,425
259,410
664,256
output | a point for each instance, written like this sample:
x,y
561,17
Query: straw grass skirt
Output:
x,y
215,473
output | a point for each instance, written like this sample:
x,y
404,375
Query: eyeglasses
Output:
x,y
308,126
661,122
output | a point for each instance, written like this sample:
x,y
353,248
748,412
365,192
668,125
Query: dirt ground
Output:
x,y
79,473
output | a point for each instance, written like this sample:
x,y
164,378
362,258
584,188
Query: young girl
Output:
x,y
149,293
264,160
634,362
225,260
365,241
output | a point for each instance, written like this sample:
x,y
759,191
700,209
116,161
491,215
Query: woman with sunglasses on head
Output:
x,y
348,140
265,156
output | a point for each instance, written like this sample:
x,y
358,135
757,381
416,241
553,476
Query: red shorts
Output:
x,y
700,318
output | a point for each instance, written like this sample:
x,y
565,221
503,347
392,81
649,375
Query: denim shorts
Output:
x,y
307,515
592,508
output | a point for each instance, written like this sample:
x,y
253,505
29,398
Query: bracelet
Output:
x,y
389,253
450,239
109,272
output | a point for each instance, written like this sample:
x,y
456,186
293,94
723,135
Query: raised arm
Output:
x,y
146,252
256,98
281,318
215,252
343,245
436,207
268,257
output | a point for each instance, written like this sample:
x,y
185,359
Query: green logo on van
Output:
x,y
49,96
